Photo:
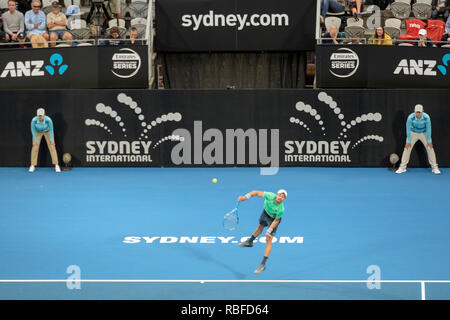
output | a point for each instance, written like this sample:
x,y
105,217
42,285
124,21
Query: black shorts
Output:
x,y
265,220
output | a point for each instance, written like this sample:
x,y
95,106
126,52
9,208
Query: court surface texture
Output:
x,y
156,233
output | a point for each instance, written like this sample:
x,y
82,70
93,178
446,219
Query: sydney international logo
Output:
x,y
336,145
120,144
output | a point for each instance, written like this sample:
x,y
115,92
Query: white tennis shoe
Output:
x,y
57,168
400,170
436,171
32,168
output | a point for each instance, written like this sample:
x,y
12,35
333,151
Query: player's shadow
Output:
x,y
202,255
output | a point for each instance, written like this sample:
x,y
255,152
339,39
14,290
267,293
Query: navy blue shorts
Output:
x,y
265,220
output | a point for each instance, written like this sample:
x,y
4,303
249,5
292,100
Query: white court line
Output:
x,y
422,282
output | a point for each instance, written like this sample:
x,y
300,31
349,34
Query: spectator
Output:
x,y
447,25
423,40
41,125
21,38
381,37
388,7
333,35
134,34
115,8
35,21
418,127
114,37
440,8
330,6
445,39
356,7
13,22
355,40
56,24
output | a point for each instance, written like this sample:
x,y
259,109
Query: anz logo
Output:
x,y
34,68
422,67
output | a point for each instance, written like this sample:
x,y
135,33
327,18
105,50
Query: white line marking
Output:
x,y
422,282
422,285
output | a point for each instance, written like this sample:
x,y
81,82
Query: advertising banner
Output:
x,y
391,67
265,128
87,67
236,25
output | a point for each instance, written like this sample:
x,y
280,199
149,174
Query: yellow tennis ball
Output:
x,y
214,180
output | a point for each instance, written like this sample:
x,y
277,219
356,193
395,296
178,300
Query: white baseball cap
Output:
x,y
40,112
418,108
422,32
282,191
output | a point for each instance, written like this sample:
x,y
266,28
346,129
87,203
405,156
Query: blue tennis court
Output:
x,y
156,233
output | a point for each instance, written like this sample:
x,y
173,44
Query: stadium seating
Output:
x,y
392,27
401,9
354,28
141,25
422,9
332,21
138,9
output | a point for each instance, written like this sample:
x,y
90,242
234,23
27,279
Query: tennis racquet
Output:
x,y
231,219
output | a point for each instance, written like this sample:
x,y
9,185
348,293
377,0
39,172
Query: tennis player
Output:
x,y
270,217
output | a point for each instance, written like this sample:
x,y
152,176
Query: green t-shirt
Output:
x,y
273,210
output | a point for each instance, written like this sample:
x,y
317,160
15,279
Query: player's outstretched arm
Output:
x,y
251,194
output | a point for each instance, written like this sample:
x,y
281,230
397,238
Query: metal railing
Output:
x,y
397,42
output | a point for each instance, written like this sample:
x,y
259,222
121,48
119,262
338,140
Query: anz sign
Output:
x,y
34,68
422,67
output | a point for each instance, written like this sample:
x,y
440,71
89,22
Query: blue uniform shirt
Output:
x,y
418,125
44,126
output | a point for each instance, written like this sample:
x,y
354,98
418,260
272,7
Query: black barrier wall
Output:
x,y
87,67
343,128
371,66
235,25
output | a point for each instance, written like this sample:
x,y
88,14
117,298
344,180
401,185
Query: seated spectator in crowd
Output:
x,y
356,7
21,38
35,21
330,6
13,22
134,34
114,37
445,38
440,8
333,36
447,25
56,24
381,37
423,40
355,40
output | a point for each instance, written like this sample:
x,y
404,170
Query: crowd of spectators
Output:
x,y
25,24
348,9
